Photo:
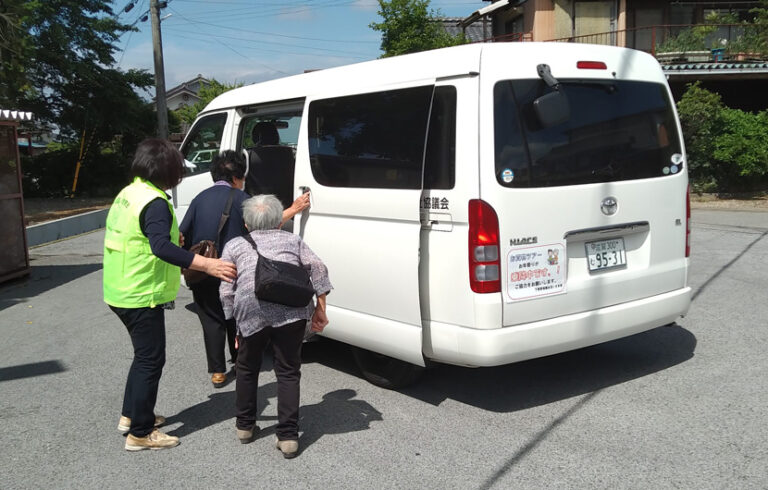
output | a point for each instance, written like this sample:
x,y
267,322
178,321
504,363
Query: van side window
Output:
x,y
203,143
371,140
440,157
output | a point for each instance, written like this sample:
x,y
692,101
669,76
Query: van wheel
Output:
x,y
384,371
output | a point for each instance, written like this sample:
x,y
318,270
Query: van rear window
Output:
x,y
615,130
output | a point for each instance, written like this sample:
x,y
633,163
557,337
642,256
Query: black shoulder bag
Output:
x,y
281,282
207,248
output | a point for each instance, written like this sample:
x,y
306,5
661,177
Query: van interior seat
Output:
x,y
270,164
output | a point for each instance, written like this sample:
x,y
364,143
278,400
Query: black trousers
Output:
x,y
286,345
146,326
216,329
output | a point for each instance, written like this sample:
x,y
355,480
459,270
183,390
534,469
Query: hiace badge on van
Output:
x,y
476,205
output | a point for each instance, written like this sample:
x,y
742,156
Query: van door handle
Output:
x,y
304,214
438,222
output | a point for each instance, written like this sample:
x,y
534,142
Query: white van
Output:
x,y
476,205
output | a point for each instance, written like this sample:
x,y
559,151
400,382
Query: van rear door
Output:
x,y
592,209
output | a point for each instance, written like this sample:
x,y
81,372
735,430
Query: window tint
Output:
x,y
203,143
440,158
287,125
370,140
617,130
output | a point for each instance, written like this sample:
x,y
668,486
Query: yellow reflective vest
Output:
x,y
133,276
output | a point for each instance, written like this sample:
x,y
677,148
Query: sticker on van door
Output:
x,y
535,271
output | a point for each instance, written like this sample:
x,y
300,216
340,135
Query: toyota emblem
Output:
x,y
609,206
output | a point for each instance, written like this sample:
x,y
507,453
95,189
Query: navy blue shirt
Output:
x,y
155,221
202,219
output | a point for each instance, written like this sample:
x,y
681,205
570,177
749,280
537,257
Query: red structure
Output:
x,y
14,254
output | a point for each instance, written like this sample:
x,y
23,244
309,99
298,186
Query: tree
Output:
x,y
57,61
410,26
207,93
59,64
727,148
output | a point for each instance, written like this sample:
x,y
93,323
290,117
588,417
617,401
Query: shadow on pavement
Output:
x,y
218,408
537,382
31,370
41,278
338,413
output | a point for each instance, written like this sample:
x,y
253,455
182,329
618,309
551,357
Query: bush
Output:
x,y
52,173
727,148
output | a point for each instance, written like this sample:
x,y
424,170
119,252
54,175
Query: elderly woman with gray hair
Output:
x,y
259,322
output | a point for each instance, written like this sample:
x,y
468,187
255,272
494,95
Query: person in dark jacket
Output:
x,y
201,222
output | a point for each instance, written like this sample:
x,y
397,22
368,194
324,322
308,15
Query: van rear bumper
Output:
x,y
452,344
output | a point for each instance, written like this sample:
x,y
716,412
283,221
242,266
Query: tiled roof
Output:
x,y
473,32
760,66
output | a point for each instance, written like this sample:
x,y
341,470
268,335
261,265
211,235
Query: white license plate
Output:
x,y
606,254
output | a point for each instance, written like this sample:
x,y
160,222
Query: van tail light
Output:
x,y
688,222
484,263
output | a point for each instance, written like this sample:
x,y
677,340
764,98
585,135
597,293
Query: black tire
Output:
x,y
384,371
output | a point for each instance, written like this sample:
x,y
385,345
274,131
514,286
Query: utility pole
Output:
x,y
157,45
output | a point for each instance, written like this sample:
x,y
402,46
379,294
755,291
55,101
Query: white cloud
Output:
x,y
366,4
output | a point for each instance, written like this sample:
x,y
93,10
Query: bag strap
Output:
x,y
224,216
250,240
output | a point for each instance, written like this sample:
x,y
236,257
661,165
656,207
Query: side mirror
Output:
x,y
552,109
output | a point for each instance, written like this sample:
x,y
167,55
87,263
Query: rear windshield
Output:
x,y
615,130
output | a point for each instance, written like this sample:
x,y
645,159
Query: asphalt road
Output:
x,y
682,406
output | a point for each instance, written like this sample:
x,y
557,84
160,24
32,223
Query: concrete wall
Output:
x,y
51,231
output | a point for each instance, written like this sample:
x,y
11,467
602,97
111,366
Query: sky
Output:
x,y
247,41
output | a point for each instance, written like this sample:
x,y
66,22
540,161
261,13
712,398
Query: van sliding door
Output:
x,y
362,158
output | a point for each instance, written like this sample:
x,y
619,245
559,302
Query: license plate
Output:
x,y
606,254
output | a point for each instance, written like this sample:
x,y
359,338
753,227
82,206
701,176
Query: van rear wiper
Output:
x,y
546,74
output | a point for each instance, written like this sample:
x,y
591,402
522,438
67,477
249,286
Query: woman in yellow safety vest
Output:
x,y
142,261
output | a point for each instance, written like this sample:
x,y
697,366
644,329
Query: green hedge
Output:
x,y
727,148
51,174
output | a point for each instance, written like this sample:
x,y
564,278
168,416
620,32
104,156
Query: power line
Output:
x,y
236,52
356,56
221,36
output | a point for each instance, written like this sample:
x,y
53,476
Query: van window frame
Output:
x,y
199,167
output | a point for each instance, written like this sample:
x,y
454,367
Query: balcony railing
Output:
x,y
681,42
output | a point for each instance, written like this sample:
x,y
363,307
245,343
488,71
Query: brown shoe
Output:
x,y
124,425
289,448
218,379
154,440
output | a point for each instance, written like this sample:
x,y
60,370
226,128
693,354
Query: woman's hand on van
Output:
x,y
300,204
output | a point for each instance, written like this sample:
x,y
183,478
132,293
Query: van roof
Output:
x,y
426,65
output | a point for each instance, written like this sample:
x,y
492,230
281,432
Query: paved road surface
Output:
x,y
677,407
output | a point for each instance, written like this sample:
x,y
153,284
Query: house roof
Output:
x,y
682,71
489,9
474,32
185,86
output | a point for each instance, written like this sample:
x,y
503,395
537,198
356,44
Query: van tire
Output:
x,y
384,371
